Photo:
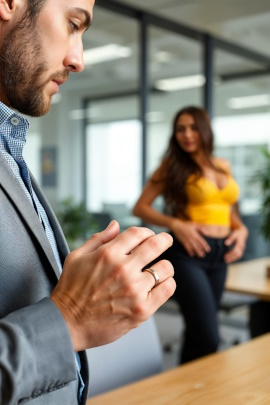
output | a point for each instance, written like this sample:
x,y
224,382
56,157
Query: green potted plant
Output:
x,y
77,223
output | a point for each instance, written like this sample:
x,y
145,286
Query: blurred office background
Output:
x,y
109,126
144,59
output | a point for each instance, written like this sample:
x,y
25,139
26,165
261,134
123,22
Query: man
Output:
x,y
102,292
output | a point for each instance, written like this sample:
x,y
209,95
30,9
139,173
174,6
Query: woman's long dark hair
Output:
x,y
179,165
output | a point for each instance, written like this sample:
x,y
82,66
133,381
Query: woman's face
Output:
x,y
187,134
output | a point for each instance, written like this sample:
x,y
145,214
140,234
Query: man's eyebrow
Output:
x,y
87,17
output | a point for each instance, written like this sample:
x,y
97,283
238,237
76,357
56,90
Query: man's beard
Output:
x,y
21,69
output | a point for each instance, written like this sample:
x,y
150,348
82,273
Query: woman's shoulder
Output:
x,y
223,164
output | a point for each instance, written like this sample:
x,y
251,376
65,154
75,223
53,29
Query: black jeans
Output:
x,y
200,283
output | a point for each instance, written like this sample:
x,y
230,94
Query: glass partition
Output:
x,y
242,122
114,159
242,128
113,131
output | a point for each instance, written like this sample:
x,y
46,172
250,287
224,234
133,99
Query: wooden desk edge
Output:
x,y
248,350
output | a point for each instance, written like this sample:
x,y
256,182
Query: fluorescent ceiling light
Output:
x,y
249,101
180,83
105,54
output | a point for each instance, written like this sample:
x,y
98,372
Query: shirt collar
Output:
x,y
7,113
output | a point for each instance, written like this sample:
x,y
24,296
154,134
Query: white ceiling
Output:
x,y
245,22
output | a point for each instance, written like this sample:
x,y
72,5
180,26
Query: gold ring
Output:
x,y
154,274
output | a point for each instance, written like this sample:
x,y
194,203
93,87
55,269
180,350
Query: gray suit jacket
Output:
x,y
37,362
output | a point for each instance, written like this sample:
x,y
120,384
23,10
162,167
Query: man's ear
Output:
x,y
7,9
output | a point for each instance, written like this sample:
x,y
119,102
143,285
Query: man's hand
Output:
x,y
103,293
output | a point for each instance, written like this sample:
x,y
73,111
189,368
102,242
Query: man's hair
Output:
x,y
34,7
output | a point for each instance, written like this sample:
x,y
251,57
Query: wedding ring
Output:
x,y
154,274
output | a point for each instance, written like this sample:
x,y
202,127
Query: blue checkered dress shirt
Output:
x,y
13,130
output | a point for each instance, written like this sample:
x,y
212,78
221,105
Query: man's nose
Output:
x,y
74,58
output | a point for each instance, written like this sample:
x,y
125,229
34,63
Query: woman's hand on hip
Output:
x,y
237,240
190,235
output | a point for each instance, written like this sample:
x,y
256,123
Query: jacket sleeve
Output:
x,y
36,353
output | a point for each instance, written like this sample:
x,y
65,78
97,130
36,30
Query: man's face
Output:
x,y
37,57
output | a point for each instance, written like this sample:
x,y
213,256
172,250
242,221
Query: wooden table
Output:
x,y
237,376
250,277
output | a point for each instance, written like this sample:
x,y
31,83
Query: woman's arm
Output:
x,y
143,207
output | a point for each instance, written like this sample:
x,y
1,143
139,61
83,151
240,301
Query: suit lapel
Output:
x,y
58,233
17,195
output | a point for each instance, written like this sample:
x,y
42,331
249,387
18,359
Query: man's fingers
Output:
x,y
162,270
131,238
151,249
100,238
161,293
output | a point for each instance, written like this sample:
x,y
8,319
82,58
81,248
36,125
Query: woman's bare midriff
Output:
x,y
217,231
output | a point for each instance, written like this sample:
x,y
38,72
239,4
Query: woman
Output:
x,y
201,196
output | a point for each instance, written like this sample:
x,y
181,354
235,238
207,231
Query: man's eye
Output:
x,y
74,26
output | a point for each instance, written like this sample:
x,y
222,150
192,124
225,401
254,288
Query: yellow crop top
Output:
x,y
209,205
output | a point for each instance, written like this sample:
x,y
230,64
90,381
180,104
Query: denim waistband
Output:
x,y
218,249
214,241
